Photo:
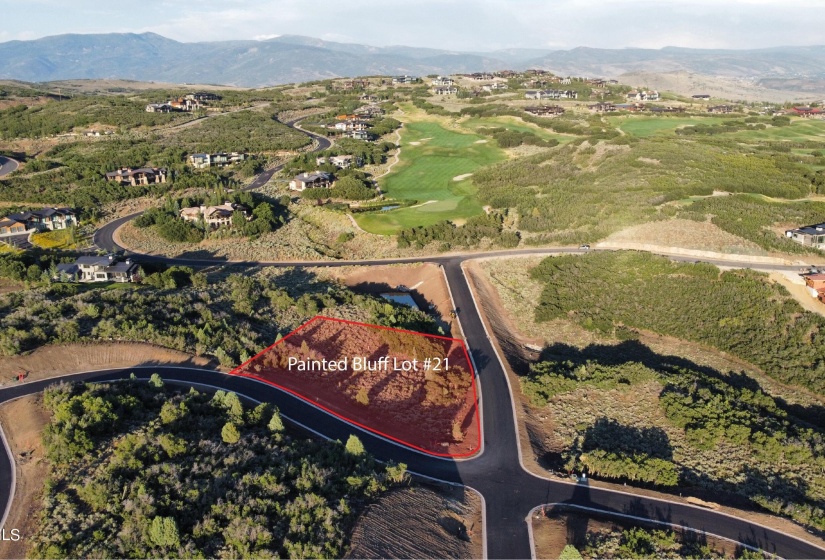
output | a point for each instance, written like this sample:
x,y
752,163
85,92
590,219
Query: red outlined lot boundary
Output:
x,y
241,371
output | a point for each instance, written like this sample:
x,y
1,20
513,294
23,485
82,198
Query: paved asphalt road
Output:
x,y
7,165
509,491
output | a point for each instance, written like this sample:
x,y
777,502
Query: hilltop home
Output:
x,y
359,135
443,81
551,94
341,162
221,159
724,109
497,86
602,107
9,226
445,90
404,79
643,95
159,108
202,96
545,110
807,112
350,125
809,236
315,180
40,220
701,96
98,269
140,176
214,216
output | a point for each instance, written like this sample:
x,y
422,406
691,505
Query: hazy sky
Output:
x,y
468,25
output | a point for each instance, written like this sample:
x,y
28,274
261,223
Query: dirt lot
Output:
x,y
429,407
421,522
51,361
425,283
506,292
23,421
687,234
557,528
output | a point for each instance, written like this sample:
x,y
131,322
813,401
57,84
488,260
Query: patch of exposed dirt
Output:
x,y
429,404
23,421
51,361
557,527
424,282
7,286
796,287
421,522
687,234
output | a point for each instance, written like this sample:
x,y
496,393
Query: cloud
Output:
x,y
470,25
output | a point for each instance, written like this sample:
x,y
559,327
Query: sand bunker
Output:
x,y
462,177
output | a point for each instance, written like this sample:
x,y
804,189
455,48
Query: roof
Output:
x,y
816,229
96,260
121,267
68,268
819,276
312,177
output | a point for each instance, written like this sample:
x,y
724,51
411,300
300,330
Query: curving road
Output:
x,y
509,491
7,165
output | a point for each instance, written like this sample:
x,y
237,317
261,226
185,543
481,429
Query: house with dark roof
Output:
x,y
9,226
140,176
41,220
94,268
318,179
215,216
809,236
545,110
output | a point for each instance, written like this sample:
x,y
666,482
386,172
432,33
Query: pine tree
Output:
x,y
276,424
230,433
354,446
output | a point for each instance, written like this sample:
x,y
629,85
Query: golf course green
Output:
x,y
431,159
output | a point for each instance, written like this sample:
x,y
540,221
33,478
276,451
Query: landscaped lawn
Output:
x,y
431,157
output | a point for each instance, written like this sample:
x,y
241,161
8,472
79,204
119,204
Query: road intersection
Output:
x,y
510,493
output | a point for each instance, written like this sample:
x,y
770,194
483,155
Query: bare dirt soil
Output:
x,y
687,234
23,421
556,528
421,522
424,282
796,287
507,294
51,361
432,407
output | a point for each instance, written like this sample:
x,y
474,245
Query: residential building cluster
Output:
x,y
187,103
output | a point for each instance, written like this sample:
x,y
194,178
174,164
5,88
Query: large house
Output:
x,y
214,216
359,135
105,268
807,112
445,90
159,108
724,109
496,86
350,125
221,159
701,96
602,107
545,110
404,79
643,95
551,94
809,236
315,180
140,176
443,81
341,162
40,220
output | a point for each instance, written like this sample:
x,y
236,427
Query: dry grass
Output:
x,y
420,522
687,234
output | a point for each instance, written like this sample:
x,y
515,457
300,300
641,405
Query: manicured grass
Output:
x,y
643,126
431,157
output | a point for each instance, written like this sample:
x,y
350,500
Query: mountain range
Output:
x,y
292,58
